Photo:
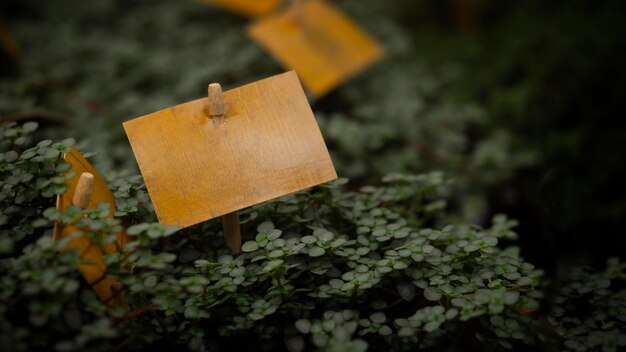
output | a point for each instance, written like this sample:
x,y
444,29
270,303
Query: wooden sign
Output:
x,y
7,42
314,38
251,8
464,14
199,163
87,189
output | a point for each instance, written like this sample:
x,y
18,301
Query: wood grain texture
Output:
x,y
92,266
250,8
269,146
323,45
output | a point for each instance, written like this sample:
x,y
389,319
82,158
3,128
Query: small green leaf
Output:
x,y
385,330
308,239
316,251
265,227
432,294
273,234
378,317
303,326
250,246
30,127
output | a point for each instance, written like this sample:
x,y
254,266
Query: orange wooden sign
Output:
x,y
8,42
323,45
92,265
196,169
251,8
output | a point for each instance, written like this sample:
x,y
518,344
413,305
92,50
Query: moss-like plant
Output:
x,y
338,267
590,309
324,268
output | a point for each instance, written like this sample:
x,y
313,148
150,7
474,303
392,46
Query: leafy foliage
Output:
x,y
397,266
590,312
334,269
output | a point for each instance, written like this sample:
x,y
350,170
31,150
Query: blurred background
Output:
x,y
521,103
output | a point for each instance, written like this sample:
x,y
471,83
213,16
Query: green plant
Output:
x,y
326,267
339,267
590,310
30,180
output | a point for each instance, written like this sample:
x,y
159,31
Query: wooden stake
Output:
x,y
296,7
232,232
84,190
216,103
230,222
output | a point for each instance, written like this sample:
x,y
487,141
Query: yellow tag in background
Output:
x,y
196,170
320,43
92,267
250,8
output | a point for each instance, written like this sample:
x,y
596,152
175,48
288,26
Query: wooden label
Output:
x,y
92,265
268,146
323,45
464,15
251,8
7,42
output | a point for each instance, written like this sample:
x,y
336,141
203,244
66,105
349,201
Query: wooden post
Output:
x,y
81,199
216,103
232,232
230,222
297,13
84,190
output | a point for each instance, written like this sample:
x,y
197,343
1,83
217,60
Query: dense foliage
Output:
x,y
386,261
328,268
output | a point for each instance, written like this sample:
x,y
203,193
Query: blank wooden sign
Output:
x,y
252,8
92,265
195,170
323,45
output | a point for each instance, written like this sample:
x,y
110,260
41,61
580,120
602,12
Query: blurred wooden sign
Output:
x,y
266,144
87,189
464,14
7,42
322,44
251,8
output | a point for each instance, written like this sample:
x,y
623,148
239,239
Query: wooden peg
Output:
x,y
216,103
232,232
84,189
297,11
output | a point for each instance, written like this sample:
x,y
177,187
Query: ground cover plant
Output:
x,y
414,260
327,268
